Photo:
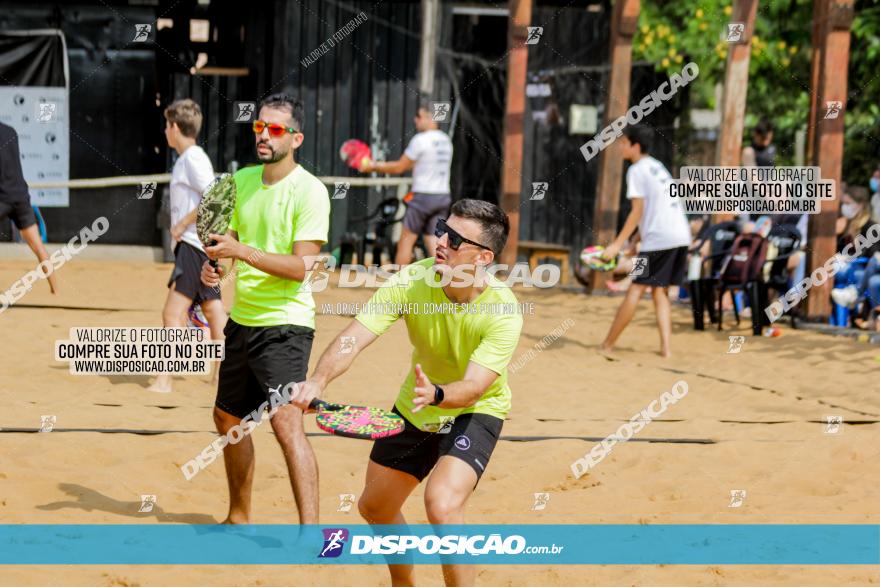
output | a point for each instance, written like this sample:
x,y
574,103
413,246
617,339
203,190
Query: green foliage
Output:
x,y
671,33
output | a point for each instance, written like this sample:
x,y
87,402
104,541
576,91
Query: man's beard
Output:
x,y
273,156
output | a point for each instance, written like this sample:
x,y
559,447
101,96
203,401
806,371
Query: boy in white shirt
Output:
x,y
664,232
191,175
429,155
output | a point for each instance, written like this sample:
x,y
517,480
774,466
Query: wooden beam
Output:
x,y
624,23
736,81
514,114
828,147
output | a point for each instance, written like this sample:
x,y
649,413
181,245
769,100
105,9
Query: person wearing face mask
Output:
x,y
874,183
857,281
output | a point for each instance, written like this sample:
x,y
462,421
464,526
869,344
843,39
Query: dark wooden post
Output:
x,y
736,81
624,23
819,7
828,145
514,114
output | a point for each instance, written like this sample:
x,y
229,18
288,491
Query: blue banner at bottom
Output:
x,y
560,544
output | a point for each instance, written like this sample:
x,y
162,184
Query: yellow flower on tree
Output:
x,y
785,62
671,52
671,39
728,10
645,28
792,50
699,13
665,62
703,26
678,59
781,45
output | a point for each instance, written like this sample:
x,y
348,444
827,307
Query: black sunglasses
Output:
x,y
455,239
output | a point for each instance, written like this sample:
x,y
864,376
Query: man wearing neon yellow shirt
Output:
x,y
456,396
281,219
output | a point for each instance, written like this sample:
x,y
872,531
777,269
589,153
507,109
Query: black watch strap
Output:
x,y
438,395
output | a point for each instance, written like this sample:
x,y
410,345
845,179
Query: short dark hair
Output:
x,y
641,135
286,102
492,220
187,115
763,128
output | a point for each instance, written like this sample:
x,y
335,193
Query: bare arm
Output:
x,y
398,167
334,361
459,394
178,229
632,222
292,266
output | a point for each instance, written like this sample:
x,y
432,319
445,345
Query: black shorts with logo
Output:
x,y
663,268
187,274
471,438
258,361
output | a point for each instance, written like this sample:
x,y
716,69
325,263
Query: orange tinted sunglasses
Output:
x,y
275,130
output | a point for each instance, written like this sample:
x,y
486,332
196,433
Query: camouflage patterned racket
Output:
x,y
215,210
356,421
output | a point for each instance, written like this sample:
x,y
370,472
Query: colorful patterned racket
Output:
x,y
355,153
592,258
215,210
356,421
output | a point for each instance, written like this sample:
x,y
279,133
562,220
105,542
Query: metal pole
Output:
x,y
428,54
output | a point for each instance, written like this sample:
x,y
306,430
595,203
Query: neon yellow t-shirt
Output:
x,y
444,342
271,219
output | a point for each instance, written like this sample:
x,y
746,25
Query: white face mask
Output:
x,y
849,210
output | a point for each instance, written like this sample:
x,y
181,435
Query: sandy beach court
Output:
x,y
753,421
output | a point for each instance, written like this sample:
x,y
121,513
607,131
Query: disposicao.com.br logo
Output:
x,y
431,544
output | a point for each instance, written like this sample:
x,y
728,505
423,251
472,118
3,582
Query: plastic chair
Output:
x,y
721,237
787,240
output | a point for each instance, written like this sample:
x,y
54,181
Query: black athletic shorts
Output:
x,y
187,274
471,438
20,212
258,361
663,268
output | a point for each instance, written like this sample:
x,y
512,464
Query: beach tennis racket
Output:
x,y
592,258
215,210
356,421
355,153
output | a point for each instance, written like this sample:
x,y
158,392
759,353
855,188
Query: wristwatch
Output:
x,y
438,395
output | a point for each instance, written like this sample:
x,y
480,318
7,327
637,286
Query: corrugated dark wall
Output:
x,y
113,114
364,87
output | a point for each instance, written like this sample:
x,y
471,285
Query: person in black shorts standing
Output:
x,y
664,232
15,201
281,219
429,155
191,175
